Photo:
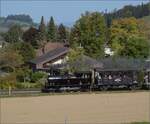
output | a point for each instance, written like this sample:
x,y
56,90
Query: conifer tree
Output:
x,y
62,34
51,35
30,36
42,32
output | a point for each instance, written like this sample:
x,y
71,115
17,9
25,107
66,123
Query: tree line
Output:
x,y
138,11
127,37
46,33
21,17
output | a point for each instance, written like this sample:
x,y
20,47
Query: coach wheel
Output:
x,y
133,87
103,88
148,87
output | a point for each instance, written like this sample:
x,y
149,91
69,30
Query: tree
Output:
x,y
27,51
127,39
62,34
73,56
30,36
42,33
24,49
36,76
10,58
14,34
24,74
51,35
145,27
138,11
7,81
89,31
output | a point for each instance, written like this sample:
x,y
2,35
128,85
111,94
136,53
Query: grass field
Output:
x,y
78,108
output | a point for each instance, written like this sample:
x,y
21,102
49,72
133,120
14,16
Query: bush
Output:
x,y
6,85
23,75
22,79
35,77
19,85
7,81
28,85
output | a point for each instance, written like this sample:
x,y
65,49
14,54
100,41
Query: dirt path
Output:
x,y
83,108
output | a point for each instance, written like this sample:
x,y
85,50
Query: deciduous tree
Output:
x,y
127,39
89,31
10,58
14,34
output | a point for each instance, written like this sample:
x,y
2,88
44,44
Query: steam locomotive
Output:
x,y
98,79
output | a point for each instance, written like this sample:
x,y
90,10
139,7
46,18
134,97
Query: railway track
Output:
x,y
37,92
19,92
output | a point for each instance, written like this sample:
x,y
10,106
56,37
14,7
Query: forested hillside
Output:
x,y
22,18
138,11
25,21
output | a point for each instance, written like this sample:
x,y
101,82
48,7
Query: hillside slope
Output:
x,y
6,23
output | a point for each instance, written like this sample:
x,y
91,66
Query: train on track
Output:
x,y
98,79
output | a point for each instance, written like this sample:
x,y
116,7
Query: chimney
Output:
x,y
43,50
66,43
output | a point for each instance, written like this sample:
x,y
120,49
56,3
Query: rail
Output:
x,y
19,91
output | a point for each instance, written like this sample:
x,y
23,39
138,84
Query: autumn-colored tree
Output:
x,y
127,38
10,58
7,81
145,26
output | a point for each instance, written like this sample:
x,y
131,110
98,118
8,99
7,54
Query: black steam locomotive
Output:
x,y
98,79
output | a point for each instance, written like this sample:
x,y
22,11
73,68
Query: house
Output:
x,y
108,51
52,53
2,42
48,47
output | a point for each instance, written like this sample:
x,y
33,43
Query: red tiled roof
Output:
x,y
49,56
49,47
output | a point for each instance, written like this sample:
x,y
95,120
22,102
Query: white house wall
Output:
x,y
60,61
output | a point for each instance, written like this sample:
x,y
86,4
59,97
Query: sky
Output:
x,y
63,11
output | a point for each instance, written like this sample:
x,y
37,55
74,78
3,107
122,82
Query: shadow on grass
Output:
x,y
140,123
